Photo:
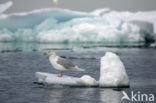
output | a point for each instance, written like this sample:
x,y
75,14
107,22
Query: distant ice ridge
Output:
x,y
5,6
112,74
149,16
66,26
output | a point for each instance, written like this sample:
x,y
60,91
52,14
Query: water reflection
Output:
x,y
85,95
72,95
110,96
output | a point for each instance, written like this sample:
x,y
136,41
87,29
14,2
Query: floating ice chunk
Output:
x,y
48,78
153,45
112,71
54,79
112,74
87,80
5,6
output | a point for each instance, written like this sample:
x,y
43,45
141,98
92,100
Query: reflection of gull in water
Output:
x,y
61,63
125,96
110,96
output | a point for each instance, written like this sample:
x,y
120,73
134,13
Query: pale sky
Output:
x,y
83,5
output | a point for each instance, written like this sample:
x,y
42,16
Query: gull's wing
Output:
x,y
65,63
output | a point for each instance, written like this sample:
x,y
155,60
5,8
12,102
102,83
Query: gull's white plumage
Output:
x,y
61,63
53,61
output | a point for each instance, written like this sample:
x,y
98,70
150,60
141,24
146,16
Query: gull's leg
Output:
x,y
61,75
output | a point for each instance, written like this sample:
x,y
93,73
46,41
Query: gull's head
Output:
x,y
50,53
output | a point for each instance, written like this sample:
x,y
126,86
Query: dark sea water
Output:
x,y
18,65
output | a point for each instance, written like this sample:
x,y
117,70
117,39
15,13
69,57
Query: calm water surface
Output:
x,y
17,78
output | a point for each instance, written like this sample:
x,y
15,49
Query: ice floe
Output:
x,y
112,74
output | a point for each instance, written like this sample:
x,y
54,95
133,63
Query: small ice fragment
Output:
x,y
87,80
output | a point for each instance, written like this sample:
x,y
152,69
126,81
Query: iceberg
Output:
x,y
5,6
112,71
66,26
112,74
149,17
146,26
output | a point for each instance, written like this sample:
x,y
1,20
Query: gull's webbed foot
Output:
x,y
61,75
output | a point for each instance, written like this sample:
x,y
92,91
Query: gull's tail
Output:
x,y
77,69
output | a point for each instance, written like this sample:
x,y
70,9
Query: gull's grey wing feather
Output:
x,y
65,63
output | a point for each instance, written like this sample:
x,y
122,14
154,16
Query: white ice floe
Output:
x,y
112,74
54,79
49,78
112,71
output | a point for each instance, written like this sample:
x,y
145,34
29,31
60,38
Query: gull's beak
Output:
x,y
45,53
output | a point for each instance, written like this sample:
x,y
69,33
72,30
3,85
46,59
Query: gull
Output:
x,y
61,63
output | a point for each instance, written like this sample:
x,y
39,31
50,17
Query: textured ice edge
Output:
x,y
5,6
49,78
57,25
52,79
112,74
